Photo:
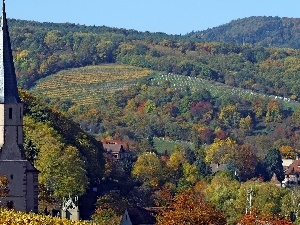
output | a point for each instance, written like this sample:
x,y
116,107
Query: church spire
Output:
x,y
8,80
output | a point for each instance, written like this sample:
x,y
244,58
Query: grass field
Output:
x,y
162,145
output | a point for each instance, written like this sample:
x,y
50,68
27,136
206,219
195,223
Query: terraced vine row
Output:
x,y
217,89
85,85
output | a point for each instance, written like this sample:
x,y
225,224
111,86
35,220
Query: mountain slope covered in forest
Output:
x,y
257,30
217,102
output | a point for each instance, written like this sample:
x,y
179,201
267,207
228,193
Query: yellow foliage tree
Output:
x,y
176,160
273,112
221,151
287,152
148,169
22,55
60,166
229,115
20,218
190,173
245,123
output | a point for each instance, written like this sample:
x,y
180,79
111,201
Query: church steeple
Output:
x,y
22,176
8,80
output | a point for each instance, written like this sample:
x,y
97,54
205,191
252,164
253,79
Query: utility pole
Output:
x,y
249,201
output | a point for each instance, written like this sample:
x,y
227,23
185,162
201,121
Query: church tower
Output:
x,y
22,176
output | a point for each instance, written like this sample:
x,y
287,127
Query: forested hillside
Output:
x,y
257,30
39,52
220,103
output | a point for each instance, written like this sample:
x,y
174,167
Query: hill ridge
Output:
x,y
258,30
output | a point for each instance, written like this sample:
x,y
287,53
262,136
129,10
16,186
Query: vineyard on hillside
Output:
x,y
85,85
219,90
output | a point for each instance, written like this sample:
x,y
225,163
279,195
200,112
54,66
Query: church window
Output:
x,y
11,176
10,113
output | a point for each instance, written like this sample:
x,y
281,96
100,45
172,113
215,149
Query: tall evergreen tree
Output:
x,y
273,162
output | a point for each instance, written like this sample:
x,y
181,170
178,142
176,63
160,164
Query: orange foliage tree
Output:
x,y
190,207
256,219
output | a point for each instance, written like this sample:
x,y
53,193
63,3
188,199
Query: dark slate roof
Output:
x,y
140,215
8,80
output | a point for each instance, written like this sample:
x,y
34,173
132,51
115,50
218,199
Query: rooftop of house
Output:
x,y
112,142
217,167
114,148
294,168
140,215
287,162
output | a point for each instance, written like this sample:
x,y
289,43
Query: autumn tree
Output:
x,y
105,217
259,107
287,152
273,112
112,201
148,169
256,218
266,197
246,124
222,193
296,118
190,176
109,209
162,197
174,166
230,116
60,166
204,134
290,204
221,151
190,207
245,162
201,111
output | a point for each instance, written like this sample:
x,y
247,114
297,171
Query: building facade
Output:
x,y
21,174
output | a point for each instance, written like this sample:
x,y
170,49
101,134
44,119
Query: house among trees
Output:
x,y
217,167
116,149
21,174
292,174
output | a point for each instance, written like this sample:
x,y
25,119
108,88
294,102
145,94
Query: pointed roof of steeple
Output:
x,y
8,80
